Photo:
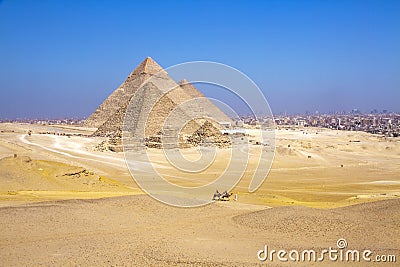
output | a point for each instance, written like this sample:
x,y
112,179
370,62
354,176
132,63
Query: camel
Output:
x,y
217,195
221,196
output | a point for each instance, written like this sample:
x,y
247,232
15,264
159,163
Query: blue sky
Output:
x,y
63,58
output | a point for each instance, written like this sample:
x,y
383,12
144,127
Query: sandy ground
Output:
x,y
139,231
352,178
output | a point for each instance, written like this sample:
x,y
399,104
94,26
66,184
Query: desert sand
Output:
x,y
65,203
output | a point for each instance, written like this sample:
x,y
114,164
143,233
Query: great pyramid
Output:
x,y
121,96
150,99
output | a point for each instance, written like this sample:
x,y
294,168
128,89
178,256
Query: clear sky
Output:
x,y
63,58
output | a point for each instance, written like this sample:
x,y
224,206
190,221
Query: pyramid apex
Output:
x,y
148,66
149,59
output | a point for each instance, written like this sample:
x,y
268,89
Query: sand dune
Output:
x,y
137,230
25,180
23,173
382,223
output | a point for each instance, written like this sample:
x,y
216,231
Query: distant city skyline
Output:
x,y
81,119
62,59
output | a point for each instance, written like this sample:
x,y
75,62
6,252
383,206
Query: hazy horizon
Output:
x,y
61,60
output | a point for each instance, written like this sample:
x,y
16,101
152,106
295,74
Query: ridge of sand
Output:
x,y
23,179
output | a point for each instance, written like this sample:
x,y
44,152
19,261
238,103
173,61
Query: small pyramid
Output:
x,y
208,130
